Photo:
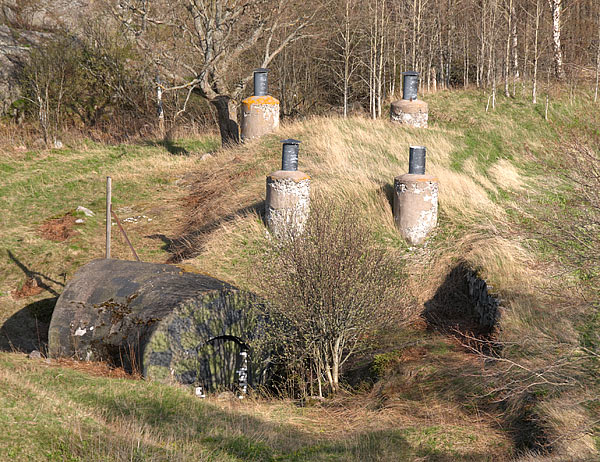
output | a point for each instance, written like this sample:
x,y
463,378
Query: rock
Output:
x,y
226,396
87,212
206,157
35,355
14,53
80,221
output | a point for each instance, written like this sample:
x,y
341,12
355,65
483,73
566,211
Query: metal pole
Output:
x,y
289,155
108,210
125,236
416,160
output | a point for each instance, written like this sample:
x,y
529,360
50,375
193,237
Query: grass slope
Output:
x,y
499,182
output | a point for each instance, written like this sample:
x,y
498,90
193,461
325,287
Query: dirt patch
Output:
x,y
29,288
97,369
59,229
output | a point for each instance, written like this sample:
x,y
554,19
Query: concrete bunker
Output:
x,y
168,324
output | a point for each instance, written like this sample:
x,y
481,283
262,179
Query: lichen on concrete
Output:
x,y
260,115
288,203
413,113
415,206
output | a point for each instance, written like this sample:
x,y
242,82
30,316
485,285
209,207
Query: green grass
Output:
x,y
53,413
437,414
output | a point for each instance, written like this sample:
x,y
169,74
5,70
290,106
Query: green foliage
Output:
x,y
382,363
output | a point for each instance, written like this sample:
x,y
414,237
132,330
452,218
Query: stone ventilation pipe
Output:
x,y
260,112
168,324
416,199
410,110
288,194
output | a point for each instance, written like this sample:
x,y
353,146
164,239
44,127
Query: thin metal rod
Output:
x,y
108,210
125,236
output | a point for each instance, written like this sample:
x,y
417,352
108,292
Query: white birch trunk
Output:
x,y
535,52
555,6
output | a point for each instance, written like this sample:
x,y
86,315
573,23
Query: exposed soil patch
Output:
x,y
98,369
59,229
29,289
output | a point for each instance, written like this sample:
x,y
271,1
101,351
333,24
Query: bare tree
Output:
x,y
536,55
206,40
597,62
347,40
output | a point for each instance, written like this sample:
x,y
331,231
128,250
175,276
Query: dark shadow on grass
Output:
x,y
39,277
191,242
27,329
170,146
451,309
388,190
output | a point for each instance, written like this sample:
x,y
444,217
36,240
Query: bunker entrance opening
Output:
x,y
222,365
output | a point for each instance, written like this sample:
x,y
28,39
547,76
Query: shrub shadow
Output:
x,y
190,243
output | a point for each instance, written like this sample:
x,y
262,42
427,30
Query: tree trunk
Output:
x,y
535,53
558,59
159,108
227,116
508,42
597,63
515,50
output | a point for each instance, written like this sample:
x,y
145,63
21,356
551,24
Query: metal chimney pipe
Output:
x,y
261,86
410,85
416,160
289,155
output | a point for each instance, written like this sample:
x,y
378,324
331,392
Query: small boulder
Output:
x,y
87,212
35,355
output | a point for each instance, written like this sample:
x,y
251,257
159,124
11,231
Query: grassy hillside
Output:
x,y
420,393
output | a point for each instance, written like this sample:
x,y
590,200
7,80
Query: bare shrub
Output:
x,y
328,289
70,82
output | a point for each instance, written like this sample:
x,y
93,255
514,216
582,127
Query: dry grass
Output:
x,y
212,219
355,161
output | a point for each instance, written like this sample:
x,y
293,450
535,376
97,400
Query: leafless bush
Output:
x,y
329,288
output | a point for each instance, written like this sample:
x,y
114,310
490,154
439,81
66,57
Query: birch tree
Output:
x,y
555,8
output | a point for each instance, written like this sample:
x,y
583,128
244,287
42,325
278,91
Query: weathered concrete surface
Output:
x,y
260,115
414,113
288,202
415,206
171,325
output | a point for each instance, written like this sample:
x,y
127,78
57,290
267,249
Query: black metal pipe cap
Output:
x,y
410,85
416,160
289,155
261,85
